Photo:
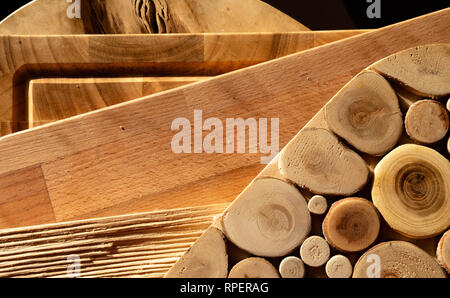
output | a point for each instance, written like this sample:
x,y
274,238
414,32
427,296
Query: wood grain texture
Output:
x,y
428,243
137,245
55,99
148,16
26,58
105,170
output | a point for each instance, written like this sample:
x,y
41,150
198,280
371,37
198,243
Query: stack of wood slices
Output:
x,y
363,190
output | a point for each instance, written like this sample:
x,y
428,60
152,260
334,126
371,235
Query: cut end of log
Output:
x,y
443,251
351,224
316,160
426,122
269,219
253,268
315,251
292,267
397,259
339,266
318,205
207,258
412,191
425,70
366,113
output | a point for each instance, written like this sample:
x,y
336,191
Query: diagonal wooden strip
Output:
x,y
90,167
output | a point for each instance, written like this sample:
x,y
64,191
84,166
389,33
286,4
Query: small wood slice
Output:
x,y
397,259
443,251
318,205
351,224
254,268
448,105
412,191
366,113
315,251
292,267
270,218
424,70
426,122
316,160
207,258
339,267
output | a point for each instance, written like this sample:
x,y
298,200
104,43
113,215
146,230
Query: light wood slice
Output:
x,y
292,267
254,268
427,121
443,251
315,251
316,160
208,258
397,259
148,16
366,114
424,70
412,191
351,224
318,205
270,218
339,266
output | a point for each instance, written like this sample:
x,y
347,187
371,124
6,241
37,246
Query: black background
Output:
x,y
326,14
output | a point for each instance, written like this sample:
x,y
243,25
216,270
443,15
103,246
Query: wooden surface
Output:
x,y
126,164
183,55
166,16
379,232
137,245
55,99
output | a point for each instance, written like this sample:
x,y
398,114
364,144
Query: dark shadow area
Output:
x,y
326,14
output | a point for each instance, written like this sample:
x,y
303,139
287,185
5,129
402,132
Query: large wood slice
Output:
x,y
148,16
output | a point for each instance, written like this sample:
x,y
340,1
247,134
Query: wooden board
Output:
x,y
126,164
183,55
319,122
137,245
49,17
50,100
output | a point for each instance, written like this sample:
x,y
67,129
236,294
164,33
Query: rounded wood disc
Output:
x,y
366,113
397,259
315,251
339,266
253,268
316,160
318,205
351,224
412,191
292,267
426,121
443,251
269,219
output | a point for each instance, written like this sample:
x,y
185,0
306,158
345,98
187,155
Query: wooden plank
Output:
x,y
111,168
134,55
55,99
144,244
49,17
